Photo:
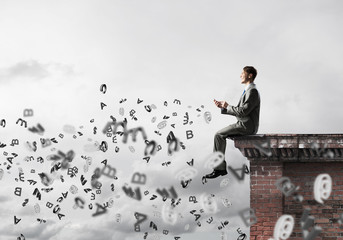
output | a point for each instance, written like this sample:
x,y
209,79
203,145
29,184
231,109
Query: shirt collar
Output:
x,y
247,86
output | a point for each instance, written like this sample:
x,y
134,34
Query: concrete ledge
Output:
x,y
291,147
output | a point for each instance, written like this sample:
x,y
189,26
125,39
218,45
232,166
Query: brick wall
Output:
x,y
327,214
265,198
294,156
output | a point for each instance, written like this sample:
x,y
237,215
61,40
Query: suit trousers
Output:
x,y
220,139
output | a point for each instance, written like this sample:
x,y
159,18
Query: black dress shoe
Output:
x,y
216,173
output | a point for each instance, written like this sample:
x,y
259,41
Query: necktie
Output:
x,y
243,92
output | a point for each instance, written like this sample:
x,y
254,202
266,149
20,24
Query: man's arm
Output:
x,y
251,101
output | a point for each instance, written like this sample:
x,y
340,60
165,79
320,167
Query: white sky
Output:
x,y
54,55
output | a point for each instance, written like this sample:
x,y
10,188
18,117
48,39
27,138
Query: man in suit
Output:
x,y
247,113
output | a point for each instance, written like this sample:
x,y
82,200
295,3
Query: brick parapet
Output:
x,y
291,147
301,157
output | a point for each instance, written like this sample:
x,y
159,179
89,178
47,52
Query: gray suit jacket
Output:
x,y
247,111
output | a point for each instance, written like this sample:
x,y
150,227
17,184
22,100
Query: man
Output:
x,y
247,113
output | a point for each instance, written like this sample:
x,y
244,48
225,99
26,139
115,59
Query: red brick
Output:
x,y
270,203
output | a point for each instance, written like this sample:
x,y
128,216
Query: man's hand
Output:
x,y
220,104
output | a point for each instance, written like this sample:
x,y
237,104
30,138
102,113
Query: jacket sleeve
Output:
x,y
251,100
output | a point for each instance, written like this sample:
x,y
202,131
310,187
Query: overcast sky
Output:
x,y
55,55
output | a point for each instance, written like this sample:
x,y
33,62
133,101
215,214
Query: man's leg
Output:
x,y
220,140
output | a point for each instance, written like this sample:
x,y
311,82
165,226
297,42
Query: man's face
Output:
x,y
245,77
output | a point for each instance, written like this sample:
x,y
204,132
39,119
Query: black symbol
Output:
x,y
223,225
184,184
102,105
234,171
45,179
148,108
246,169
197,216
191,163
25,202
83,180
37,193
14,142
122,100
177,101
32,147
164,192
39,129
170,136
158,133
21,122
72,171
140,218
166,163
193,199
189,134
173,204
3,123
103,88
56,167
99,210
32,182
186,119
21,237
153,225
47,189
103,146
9,159
17,191
172,149
153,197
66,158
41,220
45,142
16,220
135,195
153,150
139,101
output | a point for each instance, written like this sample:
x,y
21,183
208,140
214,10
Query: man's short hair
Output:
x,y
251,70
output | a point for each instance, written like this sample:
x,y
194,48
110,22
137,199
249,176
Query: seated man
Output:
x,y
247,113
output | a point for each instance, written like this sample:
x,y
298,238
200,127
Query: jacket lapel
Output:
x,y
251,86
